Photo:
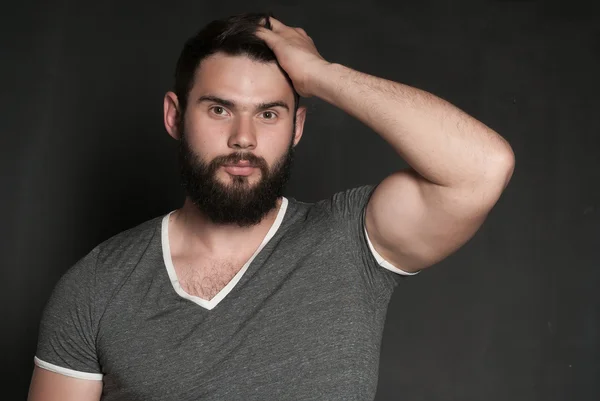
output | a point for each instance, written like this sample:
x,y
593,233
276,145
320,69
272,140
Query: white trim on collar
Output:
x,y
210,304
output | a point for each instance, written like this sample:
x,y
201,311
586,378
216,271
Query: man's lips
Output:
x,y
240,164
244,169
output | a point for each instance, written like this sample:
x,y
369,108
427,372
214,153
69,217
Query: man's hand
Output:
x,y
295,52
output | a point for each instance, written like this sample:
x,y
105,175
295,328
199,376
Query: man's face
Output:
x,y
237,139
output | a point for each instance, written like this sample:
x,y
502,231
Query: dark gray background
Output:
x,y
514,315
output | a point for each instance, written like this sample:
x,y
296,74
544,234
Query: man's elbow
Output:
x,y
500,173
506,166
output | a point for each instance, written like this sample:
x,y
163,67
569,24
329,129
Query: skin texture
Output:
x,y
50,386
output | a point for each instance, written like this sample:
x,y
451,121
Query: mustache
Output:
x,y
237,157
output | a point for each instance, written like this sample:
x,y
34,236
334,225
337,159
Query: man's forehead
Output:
x,y
238,66
241,80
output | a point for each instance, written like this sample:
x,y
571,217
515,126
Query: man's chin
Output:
x,y
239,181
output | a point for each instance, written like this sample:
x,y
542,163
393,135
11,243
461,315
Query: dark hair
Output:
x,y
233,36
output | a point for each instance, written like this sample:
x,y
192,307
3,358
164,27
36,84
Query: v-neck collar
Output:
x,y
210,304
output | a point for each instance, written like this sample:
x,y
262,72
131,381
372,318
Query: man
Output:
x,y
243,293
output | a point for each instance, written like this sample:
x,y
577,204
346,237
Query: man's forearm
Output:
x,y
442,143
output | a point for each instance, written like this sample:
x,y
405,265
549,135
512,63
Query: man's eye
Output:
x,y
269,115
218,110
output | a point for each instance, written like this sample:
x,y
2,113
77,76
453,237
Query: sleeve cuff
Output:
x,y
384,263
67,372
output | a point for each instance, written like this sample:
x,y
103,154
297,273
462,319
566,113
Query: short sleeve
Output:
x,y
66,339
351,206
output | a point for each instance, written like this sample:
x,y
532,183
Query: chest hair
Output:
x,y
206,278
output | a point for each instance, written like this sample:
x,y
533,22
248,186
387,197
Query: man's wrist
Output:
x,y
321,79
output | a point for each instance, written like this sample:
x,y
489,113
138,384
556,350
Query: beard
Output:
x,y
238,202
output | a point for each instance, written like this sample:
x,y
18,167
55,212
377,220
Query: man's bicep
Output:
x,y
414,224
51,386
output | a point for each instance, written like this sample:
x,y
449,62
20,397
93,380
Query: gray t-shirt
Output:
x,y
302,320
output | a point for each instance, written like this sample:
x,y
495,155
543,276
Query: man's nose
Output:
x,y
243,134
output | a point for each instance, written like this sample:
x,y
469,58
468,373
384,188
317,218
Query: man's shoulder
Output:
x,y
111,260
140,232
130,242
331,215
340,203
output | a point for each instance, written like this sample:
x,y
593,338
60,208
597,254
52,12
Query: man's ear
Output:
x,y
172,114
300,119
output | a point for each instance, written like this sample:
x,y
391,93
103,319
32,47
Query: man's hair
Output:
x,y
233,36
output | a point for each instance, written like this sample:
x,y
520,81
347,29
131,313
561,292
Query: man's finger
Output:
x,y
267,35
276,24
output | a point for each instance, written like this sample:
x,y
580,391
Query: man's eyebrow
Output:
x,y
270,105
231,104
216,99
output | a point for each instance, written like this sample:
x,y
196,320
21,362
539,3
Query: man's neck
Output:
x,y
191,229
